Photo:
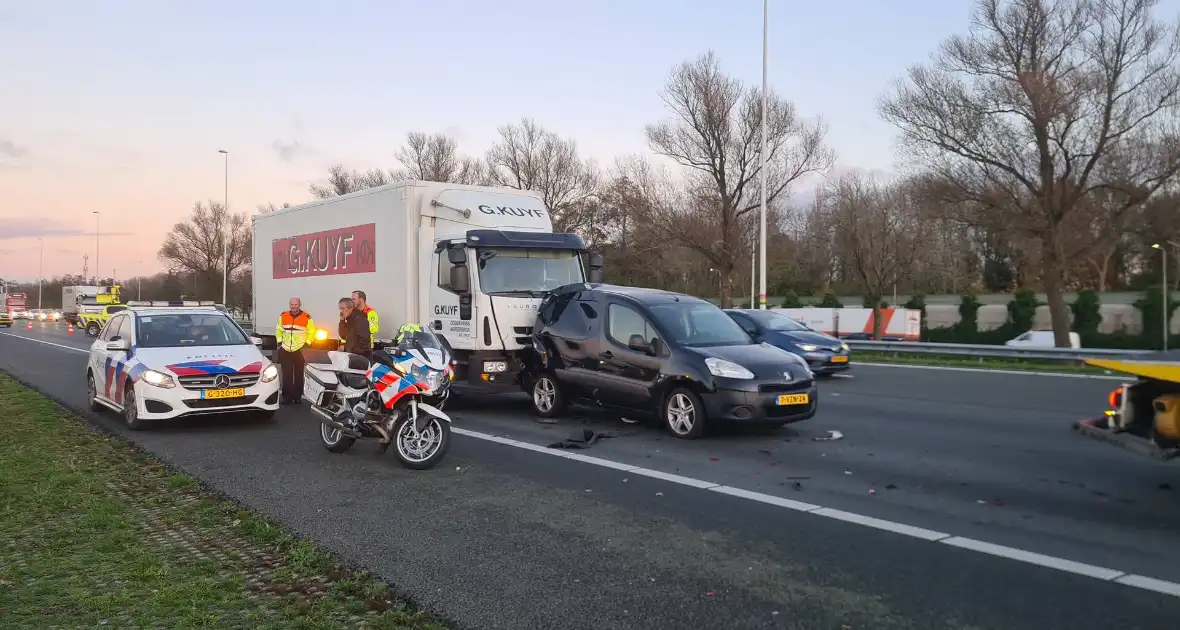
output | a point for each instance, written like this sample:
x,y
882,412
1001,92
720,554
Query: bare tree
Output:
x,y
435,158
342,181
195,245
881,233
264,208
529,157
715,135
1042,104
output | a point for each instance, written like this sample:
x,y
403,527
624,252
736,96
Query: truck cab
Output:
x,y
488,286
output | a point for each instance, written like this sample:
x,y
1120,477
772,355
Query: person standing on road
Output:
x,y
296,329
362,304
354,330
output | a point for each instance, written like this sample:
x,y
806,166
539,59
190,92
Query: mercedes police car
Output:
x,y
163,360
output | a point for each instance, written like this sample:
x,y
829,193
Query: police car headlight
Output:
x,y
157,379
270,373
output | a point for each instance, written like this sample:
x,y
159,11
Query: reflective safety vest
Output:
x,y
371,315
294,331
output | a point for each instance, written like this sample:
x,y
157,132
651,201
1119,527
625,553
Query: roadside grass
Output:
x,y
94,533
976,362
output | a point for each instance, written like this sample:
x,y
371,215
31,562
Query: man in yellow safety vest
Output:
x,y
362,304
295,331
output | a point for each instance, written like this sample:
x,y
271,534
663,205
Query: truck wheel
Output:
x,y
548,400
684,414
92,329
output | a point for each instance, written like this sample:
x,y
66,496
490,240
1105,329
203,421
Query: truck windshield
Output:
x,y
527,271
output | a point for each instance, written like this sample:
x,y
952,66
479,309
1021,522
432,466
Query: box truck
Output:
x,y
470,262
73,297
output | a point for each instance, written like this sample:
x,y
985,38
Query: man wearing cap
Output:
x,y
295,331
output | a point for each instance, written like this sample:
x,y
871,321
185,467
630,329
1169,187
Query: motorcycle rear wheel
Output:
x,y
424,451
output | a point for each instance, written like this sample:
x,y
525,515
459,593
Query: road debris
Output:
x,y
832,435
583,438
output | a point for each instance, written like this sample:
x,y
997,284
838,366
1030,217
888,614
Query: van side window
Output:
x,y
622,322
444,270
1025,337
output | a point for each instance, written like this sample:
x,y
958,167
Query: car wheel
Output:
x,y
131,408
92,329
92,393
684,414
548,401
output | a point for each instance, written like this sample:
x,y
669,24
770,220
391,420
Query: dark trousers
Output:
x,y
291,364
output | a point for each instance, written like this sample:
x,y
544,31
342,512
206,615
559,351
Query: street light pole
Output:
x,y
762,159
224,243
96,267
41,271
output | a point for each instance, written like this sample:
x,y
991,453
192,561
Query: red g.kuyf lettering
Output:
x,y
331,252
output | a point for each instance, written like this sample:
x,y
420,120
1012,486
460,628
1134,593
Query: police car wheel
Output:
x,y
92,393
131,409
92,329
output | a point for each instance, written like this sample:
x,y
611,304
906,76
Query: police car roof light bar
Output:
x,y
172,304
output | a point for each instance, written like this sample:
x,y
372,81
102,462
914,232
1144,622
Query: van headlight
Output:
x,y
157,379
726,369
270,373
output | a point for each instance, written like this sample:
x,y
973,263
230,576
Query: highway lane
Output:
x,y
590,547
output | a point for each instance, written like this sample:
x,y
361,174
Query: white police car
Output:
x,y
163,360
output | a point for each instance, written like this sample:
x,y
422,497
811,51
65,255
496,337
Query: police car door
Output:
x,y
99,355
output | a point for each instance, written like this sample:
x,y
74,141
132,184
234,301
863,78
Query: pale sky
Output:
x,y
120,106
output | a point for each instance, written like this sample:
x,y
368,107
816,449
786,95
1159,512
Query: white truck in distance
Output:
x,y
471,262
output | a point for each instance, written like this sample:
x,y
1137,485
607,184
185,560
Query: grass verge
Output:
x,y
977,362
94,533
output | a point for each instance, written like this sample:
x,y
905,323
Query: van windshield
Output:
x,y
531,272
699,324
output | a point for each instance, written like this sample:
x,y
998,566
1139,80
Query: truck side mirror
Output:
x,y
460,280
597,269
465,307
457,256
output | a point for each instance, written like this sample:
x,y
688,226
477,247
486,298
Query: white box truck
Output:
x,y
471,262
73,297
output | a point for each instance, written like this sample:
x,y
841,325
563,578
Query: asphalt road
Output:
x,y
502,537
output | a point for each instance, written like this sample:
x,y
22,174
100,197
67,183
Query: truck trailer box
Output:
x,y
897,323
398,244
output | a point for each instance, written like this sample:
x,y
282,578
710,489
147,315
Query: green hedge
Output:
x,y
1086,319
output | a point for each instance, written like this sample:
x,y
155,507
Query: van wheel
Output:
x,y
684,414
92,329
548,401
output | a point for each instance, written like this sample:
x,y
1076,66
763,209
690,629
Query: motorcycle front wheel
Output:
x,y
421,450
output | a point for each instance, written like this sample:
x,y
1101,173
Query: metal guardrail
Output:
x,y
917,348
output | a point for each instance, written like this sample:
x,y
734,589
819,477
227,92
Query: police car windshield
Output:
x,y
186,330
527,271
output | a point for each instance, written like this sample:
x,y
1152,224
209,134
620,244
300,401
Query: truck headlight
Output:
x,y
270,373
494,367
157,379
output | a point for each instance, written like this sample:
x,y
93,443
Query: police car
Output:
x,y
163,360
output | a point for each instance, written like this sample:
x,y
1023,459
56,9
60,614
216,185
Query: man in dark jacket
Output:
x,y
354,330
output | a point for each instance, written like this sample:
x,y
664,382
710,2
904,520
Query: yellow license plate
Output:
x,y
794,399
840,359
224,393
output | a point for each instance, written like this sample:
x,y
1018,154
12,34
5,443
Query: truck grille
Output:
x,y
205,381
522,334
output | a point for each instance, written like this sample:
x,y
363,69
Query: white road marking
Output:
x,y
1020,555
990,371
48,343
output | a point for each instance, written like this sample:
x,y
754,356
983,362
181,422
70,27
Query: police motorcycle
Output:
x,y
395,399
